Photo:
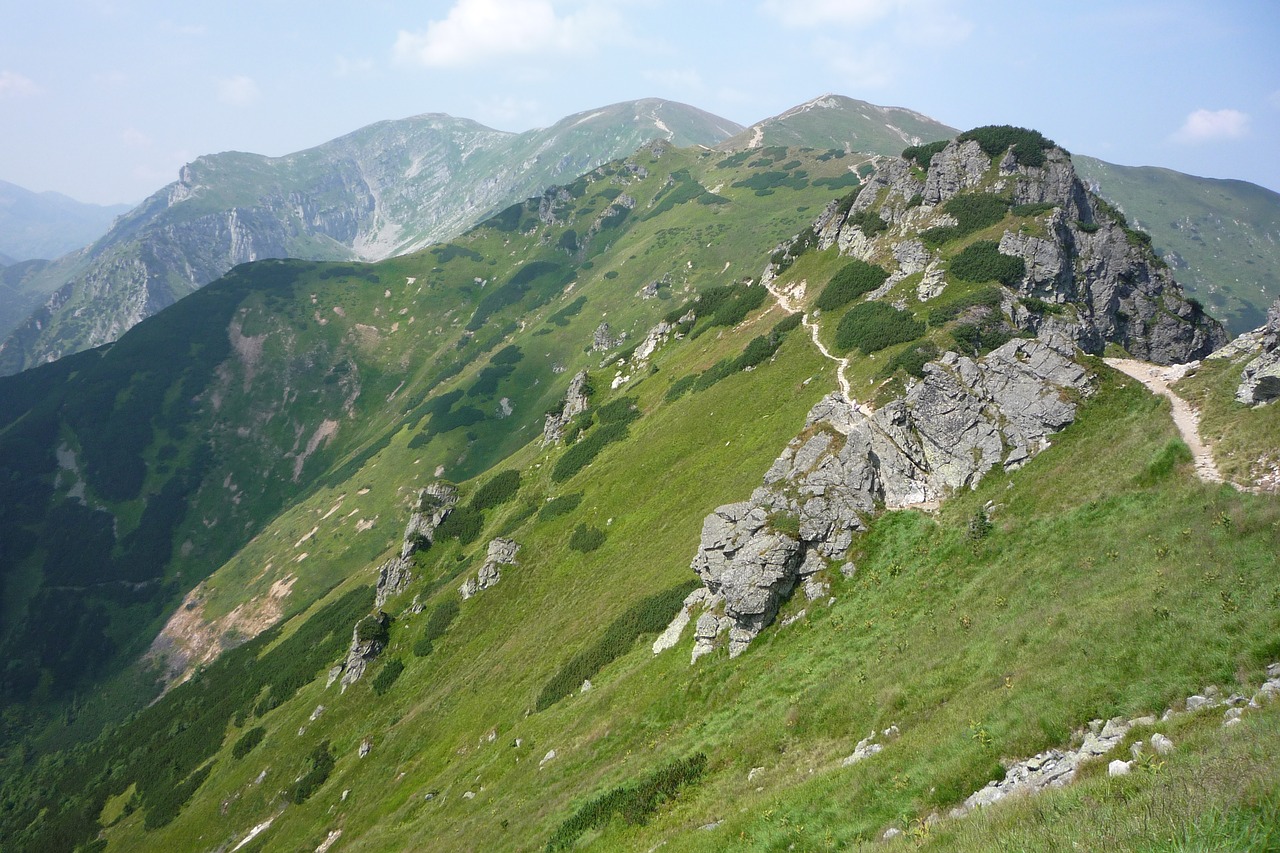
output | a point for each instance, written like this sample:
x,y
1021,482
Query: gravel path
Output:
x,y
786,304
1158,379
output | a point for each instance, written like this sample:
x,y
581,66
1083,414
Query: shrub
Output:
x,y
633,803
983,261
373,628
464,523
321,767
680,386
912,360
423,647
585,451
568,241
439,620
869,221
585,539
983,335
871,326
247,741
497,491
621,410
561,506
849,282
561,317
987,297
995,139
1032,209
387,676
921,155
787,323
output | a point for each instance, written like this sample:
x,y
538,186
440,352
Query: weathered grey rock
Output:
x,y
502,552
366,746
656,337
1161,744
432,507
393,576
1119,767
1232,716
361,653
1118,290
891,833
671,634
602,340
965,417
1260,379
1196,702
575,403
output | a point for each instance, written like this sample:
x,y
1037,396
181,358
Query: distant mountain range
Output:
x,y
398,186
48,224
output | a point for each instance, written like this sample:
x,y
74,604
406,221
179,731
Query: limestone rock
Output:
x,y
575,403
433,506
1260,380
1119,768
361,653
502,552
602,340
1161,744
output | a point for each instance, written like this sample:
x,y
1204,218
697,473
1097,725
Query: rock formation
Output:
x,y
965,417
1260,380
434,504
1081,255
502,552
575,403
603,339
368,639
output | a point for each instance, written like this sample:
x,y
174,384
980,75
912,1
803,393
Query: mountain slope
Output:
x,y
1047,590
1221,237
834,121
386,189
48,225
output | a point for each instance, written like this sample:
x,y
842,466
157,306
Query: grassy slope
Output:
x,y
1101,589
1173,587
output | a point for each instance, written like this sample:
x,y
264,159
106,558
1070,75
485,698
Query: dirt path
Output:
x,y
1187,420
786,304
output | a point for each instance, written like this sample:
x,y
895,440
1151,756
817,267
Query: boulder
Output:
x,y
575,403
502,552
1260,379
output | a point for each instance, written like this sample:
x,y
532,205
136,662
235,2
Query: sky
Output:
x,y
104,100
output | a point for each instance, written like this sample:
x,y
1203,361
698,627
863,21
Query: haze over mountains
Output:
x,y
396,186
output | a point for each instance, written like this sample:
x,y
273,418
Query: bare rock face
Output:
x,y
603,339
1260,380
575,403
502,552
363,651
964,418
435,502
1111,284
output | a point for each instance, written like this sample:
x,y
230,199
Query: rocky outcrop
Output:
x,y
603,339
502,552
368,639
1082,252
434,504
1260,380
575,403
963,418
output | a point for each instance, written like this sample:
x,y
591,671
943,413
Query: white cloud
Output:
x,y
475,31
1212,126
506,112
238,91
15,85
135,138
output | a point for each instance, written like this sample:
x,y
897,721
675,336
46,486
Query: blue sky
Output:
x,y
104,100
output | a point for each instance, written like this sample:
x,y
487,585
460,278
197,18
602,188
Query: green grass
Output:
x,y
1245,440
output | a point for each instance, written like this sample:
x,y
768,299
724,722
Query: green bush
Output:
x,y
585,451
988,297
634,803
438,621
387,676
912,360
972,211
983,261
561,506
1028,145
786,324
423,647
622,410
500,489
983,335
921,155
680,386
321,767
1032,209
464,523
871,326
849,282
247,741
869,221
561,317
649,615
373,628
585,539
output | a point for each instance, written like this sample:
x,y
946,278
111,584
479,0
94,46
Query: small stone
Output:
x,y
1135,749
550,756
712,825
1273,670
586,686
1161,744
315,715
468,795
891,833
366,746
1233,715
1115,727
1118,768
1149,720
751,775
1195,703
519,742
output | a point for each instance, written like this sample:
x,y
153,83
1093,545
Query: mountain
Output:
x,y
834,121
383,190
20,293
1221,237
48,224
711,500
